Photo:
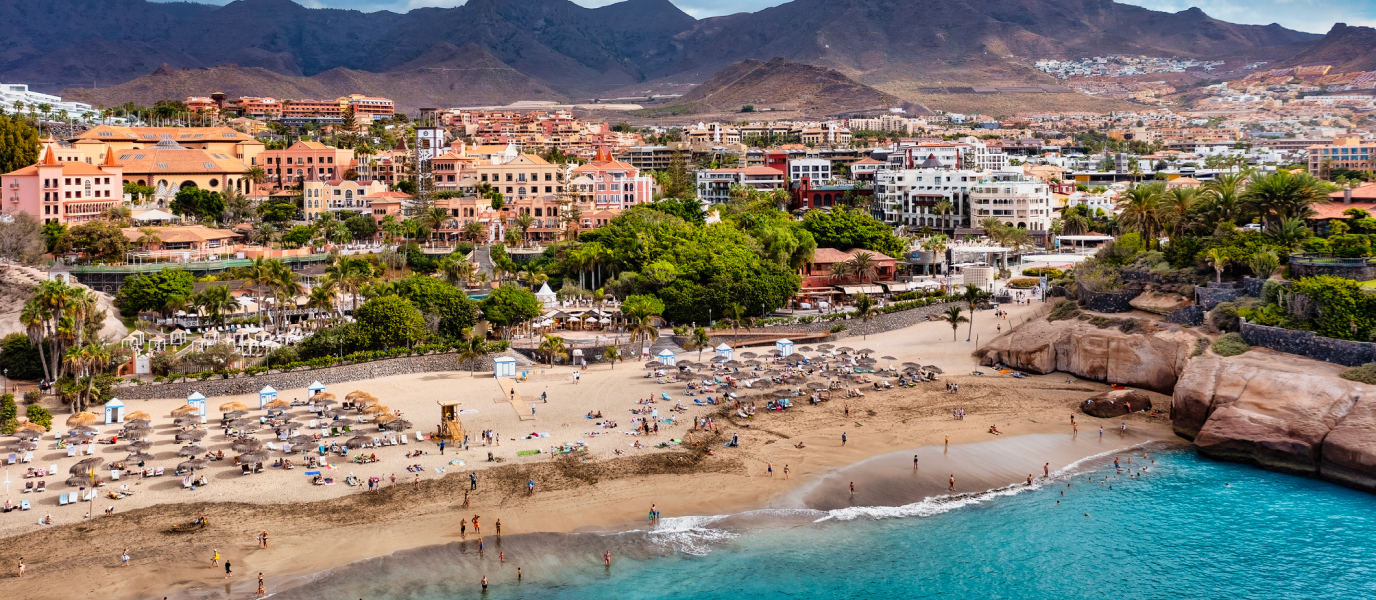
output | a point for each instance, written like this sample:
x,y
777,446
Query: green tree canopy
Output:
x,y
390,322
18,144
205,205
510,305
361,226
846,229
152,291
433,296
98,239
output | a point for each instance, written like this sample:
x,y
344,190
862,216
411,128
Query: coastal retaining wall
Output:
x,y
1109,302
1192,315
1355,272
300,378
1305,343
1209,297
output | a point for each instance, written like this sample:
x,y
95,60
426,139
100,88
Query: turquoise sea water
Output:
x,y
1190,528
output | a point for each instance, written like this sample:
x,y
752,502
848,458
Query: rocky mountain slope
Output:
x,y
1348,49
784,85
582,51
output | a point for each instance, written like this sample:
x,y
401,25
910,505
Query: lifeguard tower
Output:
x,y
451,426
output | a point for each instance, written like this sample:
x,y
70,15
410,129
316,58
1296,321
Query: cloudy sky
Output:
x,y
1304,15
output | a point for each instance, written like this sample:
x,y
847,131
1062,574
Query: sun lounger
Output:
x,y
71,451
14,458
114,474
62,500
28,486
403,440
91,495
158,472
334,431
664,396
245,469
90,449
52,470
272,446
41,487
24,505
28,457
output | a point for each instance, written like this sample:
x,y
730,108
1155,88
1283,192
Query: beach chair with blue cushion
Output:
x,y
665,397
24,505
71,451
62,500
14,458
114,474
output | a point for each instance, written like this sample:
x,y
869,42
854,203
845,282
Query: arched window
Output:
x,y
187,184
520,191
348,194
1022,225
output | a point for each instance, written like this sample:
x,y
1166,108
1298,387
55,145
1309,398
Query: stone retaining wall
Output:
x,y
1209,297
1306,343
1299,270
1192,315
301,378
1251,286
1109,302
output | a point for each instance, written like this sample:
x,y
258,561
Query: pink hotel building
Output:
x,y
63,191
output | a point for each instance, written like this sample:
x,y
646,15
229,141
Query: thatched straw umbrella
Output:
x,y
654,364
27,434
276,404
182,411
356,394
367,401
194,464
235,414
86,465
397,425
190,450
933,369
376,409
242,422
246,445
82,419
300,439
23,446
140,445
232,406
358,441
187,420
137,432
256,456
383,418
139,457
193,435
334,412
31,426
138,415
322,397
79,480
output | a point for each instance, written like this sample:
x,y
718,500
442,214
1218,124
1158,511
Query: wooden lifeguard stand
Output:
x,y
451,426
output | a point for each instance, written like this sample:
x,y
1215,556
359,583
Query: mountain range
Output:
x,y
579,52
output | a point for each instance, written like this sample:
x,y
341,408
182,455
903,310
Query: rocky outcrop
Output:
x,y
1280,412
1150,361
1115,403
1161,303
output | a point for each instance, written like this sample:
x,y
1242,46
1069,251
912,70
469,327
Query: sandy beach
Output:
x,y
314,528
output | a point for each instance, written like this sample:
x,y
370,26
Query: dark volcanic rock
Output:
x,y
1115,403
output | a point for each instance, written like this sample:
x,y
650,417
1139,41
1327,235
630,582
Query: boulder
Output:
x,y
1115,403
1150,361
1161,303
1280,412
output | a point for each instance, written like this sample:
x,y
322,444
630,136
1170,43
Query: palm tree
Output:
x,y
612,354
321,298
1225,191
259,276
864,309
552,346
525,221
474,231
972,296
698,340
216,301
942,208
34,317
1282,195
118,214
839,271
1218,259
1177,207
642,327
863,265
1144,212
1289,233
391,229
435,218
339,233
736,316
953,316
470,350
255,175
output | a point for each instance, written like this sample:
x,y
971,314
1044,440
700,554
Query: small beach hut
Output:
x,y
724,351
266,395
315,388
784,346
114,412
667,357
197,400
504,366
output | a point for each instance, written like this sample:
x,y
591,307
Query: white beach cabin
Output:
x,y
546,296
197,400
784,346
315,388
504,366
114,412
667,357
266,395
724,350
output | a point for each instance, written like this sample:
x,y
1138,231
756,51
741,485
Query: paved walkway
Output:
x,y
510,395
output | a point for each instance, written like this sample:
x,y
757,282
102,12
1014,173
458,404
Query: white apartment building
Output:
x,y
1017,200
338,196
909,196
19,92
817,170
714,185
968,153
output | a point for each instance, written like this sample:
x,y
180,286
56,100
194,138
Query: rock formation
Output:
x,y
1161,303
1280,412
1151,361
1115,403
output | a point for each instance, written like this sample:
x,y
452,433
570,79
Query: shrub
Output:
x,y
1230,344
838,328
1365,373
1023,283
1064,309
32,396
1049,272
40,416
1199,345
1224,316
8,412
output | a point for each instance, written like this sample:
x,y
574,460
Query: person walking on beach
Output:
x,y
769,468
1029,480
472,480
463,528
501,557
477,530
785,471
262,589
417,482
227,571
499,527
124,558
948,441
1046,469
21,566
441,447
484,582
607,559
914,462
953,482
852,488
465,499
481,546
1101,432
215,559
843,438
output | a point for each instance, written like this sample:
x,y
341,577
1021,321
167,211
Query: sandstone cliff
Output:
x,y
1151,361
1280,412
